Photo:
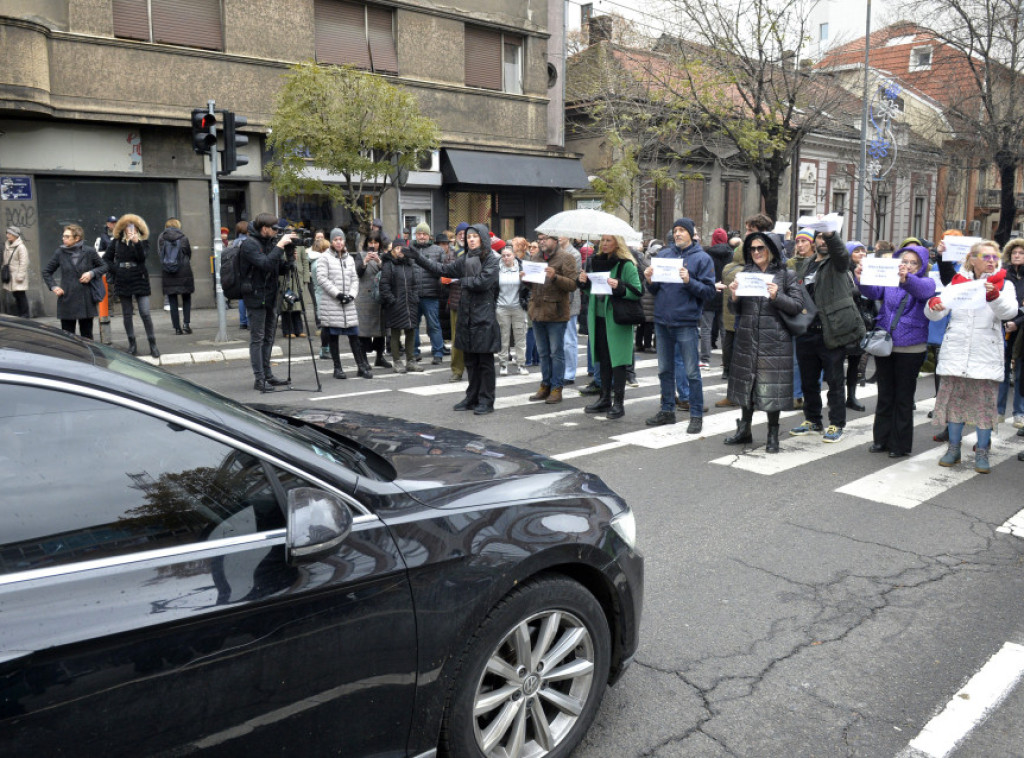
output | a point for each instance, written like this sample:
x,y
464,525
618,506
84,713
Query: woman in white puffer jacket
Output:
x,y
971,361
336,276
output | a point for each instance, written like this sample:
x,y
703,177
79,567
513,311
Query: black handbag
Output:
x,y
799,324
628,312
5,271
97,289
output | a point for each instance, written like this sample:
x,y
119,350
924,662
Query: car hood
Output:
x,y
450,468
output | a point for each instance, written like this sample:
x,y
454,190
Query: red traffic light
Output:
x,y
204,131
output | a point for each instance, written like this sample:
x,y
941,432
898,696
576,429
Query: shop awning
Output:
x,y
509,170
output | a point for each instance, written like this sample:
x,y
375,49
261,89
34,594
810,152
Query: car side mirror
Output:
x,y
317,523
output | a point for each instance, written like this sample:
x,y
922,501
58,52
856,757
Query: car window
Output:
x,y
82,479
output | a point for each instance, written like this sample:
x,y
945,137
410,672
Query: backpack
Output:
x,y
170,255
231,272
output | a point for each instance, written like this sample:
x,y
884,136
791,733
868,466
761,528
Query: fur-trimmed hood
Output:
x,y
130,218
1008,248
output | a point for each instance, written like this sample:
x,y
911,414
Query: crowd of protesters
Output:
x,y
469,288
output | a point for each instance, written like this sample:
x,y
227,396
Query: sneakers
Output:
x,y
524,370
704,364
798,403
503,371
808,427
1018,422
437,361
833,433
661,418
695,425
455,378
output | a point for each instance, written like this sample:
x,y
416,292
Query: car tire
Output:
x,y
506,702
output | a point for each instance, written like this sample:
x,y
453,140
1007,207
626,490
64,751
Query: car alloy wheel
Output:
x,y
539,666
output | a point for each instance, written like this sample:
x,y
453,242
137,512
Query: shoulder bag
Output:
x,y
627,312
5,270
798,324
878,342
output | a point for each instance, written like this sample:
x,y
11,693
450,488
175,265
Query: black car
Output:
x,y
180,573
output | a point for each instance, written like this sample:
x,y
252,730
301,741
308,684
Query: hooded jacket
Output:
x,y
721,255
181,282
127,260
400,292
761,374
336,275
912,328
681,304
476,326
838,315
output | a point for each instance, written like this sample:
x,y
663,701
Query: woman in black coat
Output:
x,y
761,375
78,266
180,281
126,257
476,329
400,296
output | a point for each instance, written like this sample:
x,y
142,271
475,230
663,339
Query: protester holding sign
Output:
x,y
901,314
971,361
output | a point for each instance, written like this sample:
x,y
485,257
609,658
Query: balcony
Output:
x,y
989,198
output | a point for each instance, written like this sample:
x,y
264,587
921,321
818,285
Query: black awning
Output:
x,y
508,170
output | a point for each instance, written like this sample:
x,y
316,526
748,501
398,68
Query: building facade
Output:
x,y
96,97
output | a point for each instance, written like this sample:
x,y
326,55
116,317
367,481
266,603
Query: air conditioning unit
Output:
x,y
975,228
961,224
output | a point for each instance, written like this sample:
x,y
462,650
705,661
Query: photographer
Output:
x,y
264,258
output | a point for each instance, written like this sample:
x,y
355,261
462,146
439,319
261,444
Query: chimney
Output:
x,y
600,29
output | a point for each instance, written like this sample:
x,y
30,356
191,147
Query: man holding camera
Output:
x,y
264,257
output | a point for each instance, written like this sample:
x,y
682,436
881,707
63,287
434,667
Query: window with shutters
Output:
x,y
356,34
190,23
494,60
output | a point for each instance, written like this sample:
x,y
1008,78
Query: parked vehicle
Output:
x,y
180,573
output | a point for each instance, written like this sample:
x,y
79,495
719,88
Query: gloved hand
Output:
x,y
345,299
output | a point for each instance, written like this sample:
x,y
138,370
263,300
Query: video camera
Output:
x,y
301,237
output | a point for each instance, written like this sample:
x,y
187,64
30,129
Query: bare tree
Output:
x,y
738,64
984,65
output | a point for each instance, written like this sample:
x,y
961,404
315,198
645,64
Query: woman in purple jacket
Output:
x,y
897,373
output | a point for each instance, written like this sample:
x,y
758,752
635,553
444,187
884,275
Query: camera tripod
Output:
x,y
294,286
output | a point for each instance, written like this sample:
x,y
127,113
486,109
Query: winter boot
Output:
x,y
554,396
772,443
603,403
981,461
851,398
743,435
398,366
542,393
152,348
133,347
617,411
381,361
359,353
952,456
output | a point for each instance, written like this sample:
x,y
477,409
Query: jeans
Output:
x,y
550,336
261,340
532,356
1004,387
686,341
894,413
243,317
429,309
813,358
571,346
798,387
707,319
127,312
682,380
512,323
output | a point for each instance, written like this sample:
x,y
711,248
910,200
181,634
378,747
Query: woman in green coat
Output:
x,y
611,343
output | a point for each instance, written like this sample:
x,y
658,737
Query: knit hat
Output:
x,y
16,231
335,233
497,244
377,223
719,237
225,230
463,226
853,245
422,226
686,223
909,241
807,234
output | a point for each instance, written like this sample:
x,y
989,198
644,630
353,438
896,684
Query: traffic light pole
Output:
x,y
218,245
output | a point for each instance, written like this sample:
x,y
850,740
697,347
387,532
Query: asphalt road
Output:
x,y
821,602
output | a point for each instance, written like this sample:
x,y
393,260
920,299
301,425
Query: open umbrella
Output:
x,y
590,224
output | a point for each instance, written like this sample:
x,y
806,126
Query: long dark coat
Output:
x,y
476,327
127,260
367,308
400,293
761,375
76,302
182,281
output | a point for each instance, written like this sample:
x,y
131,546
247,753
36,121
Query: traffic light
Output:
x,y
231,160
204,131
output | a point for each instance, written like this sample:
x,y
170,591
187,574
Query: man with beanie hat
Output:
x,y
105,240
430,293
677,313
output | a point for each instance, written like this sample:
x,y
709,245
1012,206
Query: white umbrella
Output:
x,y
589,224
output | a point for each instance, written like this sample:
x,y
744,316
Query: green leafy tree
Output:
x,y
346,134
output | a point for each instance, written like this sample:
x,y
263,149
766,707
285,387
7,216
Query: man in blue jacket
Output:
x,y
677,311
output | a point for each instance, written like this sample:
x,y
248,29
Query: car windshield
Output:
x,y
331,447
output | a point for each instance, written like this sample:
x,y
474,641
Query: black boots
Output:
x,y
152,348
742,435
617,411
133,347
359,353
381,361
603,403
851,398
772,445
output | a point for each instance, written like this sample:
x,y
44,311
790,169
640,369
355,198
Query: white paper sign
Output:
x,y
535,272
752,284
880,272
969,295
599,283
937,278
666,270
831,222
782,227
957,248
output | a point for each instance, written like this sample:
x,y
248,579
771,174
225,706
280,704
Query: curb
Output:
x,y
205,356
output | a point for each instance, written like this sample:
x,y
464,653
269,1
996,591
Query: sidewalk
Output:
x,y
198,347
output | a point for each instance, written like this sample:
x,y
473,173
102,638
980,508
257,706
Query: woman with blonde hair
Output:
x,y
971,360
127,260
611,343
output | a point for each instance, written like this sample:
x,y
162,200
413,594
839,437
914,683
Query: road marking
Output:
x,y
799,451
918,479
350,394
452,388
646,381
1014,526
970,706
589,451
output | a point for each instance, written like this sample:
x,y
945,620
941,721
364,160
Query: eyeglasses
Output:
x,y
990,257
758,247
